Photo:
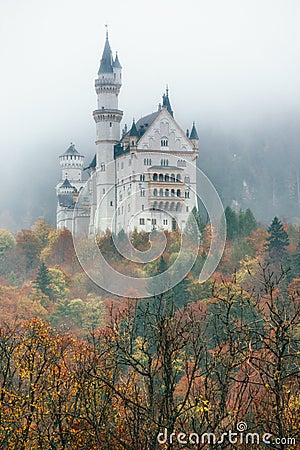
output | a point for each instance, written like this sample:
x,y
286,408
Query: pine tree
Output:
x,y
277,241
232,223
43,280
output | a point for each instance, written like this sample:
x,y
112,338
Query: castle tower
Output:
x,y
67,190
107,117
71,163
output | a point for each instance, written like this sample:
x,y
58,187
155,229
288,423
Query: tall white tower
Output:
x,y
107,117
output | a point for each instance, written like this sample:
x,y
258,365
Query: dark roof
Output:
x,y
66,200
72,151
120,149
66,184
116,63
92,164
107,59
194,134
144,122
133,131
166,103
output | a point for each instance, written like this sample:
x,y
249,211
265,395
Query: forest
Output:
x,y
83,369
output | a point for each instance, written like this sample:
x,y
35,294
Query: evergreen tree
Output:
x,y
43,280
232,223
247,223
277,241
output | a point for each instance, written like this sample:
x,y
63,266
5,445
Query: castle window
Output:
x,y
181,163
111,203
187,179
172,192
153,221
110,124
103,191
178,193
142,177
155,192
161,192
187,194
166,177
167,192
143,207
142,221
102,167
161,177
143,193
172,177
147,161
178,177
164,142
165,221
187,209
155,177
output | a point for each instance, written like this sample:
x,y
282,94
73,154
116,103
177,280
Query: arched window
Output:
x,y
178,207
178,177
166,177
172,177
161,177
161,192
160,205
172,206
167,192
155,177
172,192
155,192
166,206
142,177
178,193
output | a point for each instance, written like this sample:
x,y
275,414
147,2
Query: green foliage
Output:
x,y
239,224
277,241
7,241
43,281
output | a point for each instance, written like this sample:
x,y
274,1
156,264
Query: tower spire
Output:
x,y
107,58
166,102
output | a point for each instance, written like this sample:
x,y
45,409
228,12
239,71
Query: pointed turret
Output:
x,y
166,102
106,65
116,63
194,137
133,130
194,134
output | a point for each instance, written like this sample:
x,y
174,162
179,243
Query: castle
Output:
x,y
143,179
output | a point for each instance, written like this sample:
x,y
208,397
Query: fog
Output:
x,y
232,66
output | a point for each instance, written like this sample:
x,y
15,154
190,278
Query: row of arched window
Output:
x,y
166,192
166,177
166,206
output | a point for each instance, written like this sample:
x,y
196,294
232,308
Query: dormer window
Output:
x,y
164,142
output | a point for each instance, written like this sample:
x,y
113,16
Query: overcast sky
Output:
x,y
225,61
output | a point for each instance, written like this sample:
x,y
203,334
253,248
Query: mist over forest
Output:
x,y
255,166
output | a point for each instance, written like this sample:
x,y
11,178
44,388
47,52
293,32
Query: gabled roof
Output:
x,y
107,59
116,63
72,151
194,134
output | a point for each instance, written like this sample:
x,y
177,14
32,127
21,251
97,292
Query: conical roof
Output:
x,y
107,59
194,134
